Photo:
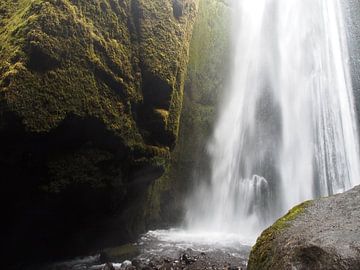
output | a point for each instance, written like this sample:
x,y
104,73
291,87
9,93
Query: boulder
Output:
x,y
319,234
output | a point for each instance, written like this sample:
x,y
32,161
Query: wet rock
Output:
x,y
232,268
191,260
108,266
136,263
139,265
146,268
126,264
185,259
178,8
188,258
320,234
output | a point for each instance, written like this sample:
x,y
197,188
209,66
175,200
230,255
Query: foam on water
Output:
x,y
196,239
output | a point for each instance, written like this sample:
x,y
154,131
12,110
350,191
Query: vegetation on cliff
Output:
x,y
90,101
208,69
100,59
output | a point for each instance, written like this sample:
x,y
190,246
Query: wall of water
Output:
x,y
287,127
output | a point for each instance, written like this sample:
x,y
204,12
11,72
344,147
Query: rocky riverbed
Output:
x,y
165,250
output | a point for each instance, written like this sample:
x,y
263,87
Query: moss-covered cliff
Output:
x,y
106,60
208,70
90,100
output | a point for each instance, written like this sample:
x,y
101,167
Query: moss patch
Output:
x,y
205,79
90,59
62,59
106,60
264,250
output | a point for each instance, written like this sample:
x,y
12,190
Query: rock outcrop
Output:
x,y
90,100
319,234
208,71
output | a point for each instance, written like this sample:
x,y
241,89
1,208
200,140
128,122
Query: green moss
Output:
x,y
153,208
102,60
263,251
205,78
87,59
165,38
173,122
164,50
80,168
68,57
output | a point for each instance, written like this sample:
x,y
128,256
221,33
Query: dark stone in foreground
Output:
x,y
192,260
169,258
320,234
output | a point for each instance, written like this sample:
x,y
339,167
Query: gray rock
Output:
x,y
108,266
319,234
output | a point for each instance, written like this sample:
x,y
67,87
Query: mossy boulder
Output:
x,y
319,234
90,100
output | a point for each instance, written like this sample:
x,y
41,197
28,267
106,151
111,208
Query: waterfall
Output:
x,y
287,129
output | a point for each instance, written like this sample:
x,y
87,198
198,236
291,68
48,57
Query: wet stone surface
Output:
x,y
191,259
154,252
160,251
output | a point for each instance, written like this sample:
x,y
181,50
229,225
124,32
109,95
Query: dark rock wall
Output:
x,y
90,100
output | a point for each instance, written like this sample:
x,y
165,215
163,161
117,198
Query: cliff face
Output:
x,y
90,100
207,73
319,234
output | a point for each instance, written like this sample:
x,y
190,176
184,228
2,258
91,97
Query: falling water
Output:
x,y
287,128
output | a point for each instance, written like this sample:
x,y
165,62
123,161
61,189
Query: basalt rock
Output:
x,y
319,234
